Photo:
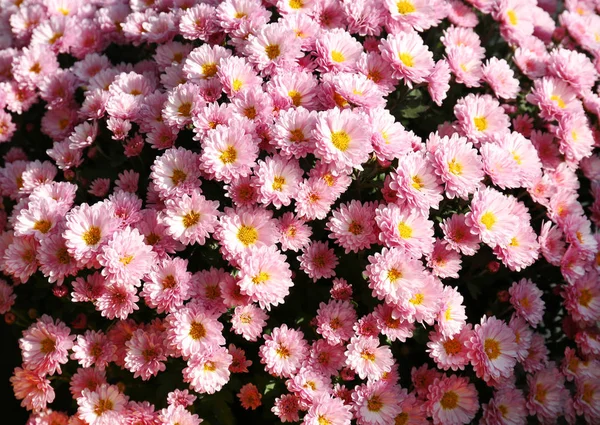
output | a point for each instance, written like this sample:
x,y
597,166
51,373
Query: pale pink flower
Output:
x,y
367,358
190,219
208,371
408,56
526,298
248,321
452,401
284,351
318,260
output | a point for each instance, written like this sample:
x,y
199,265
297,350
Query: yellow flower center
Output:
x,y
126,260
337,56
588,393
488,219
237,85
512,17
62,255
191,219
491,348
405,230
503,409
229,155
407,59
297,136
296,97
296,4
197,331
417,299
374,404
368,355
282,351
278,183
184,109
247,235
452,347
341,140
355,228
36,68
559,101
417,183
272,51
455,167
178,176
540,393
209,367
260,278
92,236
405,7
210,69
481,123
449,400
401,419
103,406
42,226
585,297
47,346
394,274
169,282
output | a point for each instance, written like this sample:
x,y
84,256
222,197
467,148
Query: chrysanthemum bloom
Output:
x,y
229,153
326,409
325,358
537,357
249,396
33,388
389,138
416,183
45,345
449,352
20,258
392,274
248,321
423,301
547,394
458,235
404,228
294,233
507,407
177,415
376,403
318,260
491,217
182,104
582,298
90,378
452,401
492,349
308,383
352,226
38,219
33,65
265,276
575,136
587,398
87,229
272,48
191,218
408,55
465,63
93,349
480,118
451,316
367,358
126,258
286,408
337,50
499,76
573,67
203,62
526,298
523,336
175,172
458,165
277,180
391,325
444,261
117,300
181,398
237,75
208,371
341,139
293,132
315,198
7,297
438,82
335,321
191,330
103,406
284,351
146,354
239,364
554,97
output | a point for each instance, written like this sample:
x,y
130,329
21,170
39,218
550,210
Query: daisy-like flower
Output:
x,y
273,48
341,139
126,258
458,165
335,321
326,409
93,349
337,50
497,73
582,298
307,383
352,226
367,358
191,218
45,345
265,276
203,62
249,396
389,138
449,352
554,97
526,298
416,184
38,219
452,400
376,403
547,394
191,330
287,406
507,407
492,349
277,180
409,57
208,371
491,217
175,172
248,321
146,354
173,415
89,377
237,75
167,285
318,260
294,233
293,132
480,118
315,198
117,300
182,103
451,317
229,153
32,388
458,235
284,351
103,406
405,228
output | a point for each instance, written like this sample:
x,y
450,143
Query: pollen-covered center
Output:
x,y
449,400
191,219
247,235
492,348
341,140
229,155
92,236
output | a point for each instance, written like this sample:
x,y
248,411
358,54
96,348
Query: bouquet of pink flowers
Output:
x,y
327,212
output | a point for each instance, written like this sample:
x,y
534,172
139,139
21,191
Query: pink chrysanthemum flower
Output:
x,y
7,297
335,321
90,378
191,218
307,383
277,180
408,56
38,219
449,352
404,228
554,97
237,75
438,82
284,351
582,298
167,285
192,330
315,198
272,48
45,345
526,298
573,67
287,406
352,226
458,235
229,153
337,50
416,184
575,136
507,407
103,406
491,217
480,118
181,398
32,388
497,73
93,349
523,336
265,276
492,349
451,317
117,301
203,62
452,401
208,371
175,172
126,258
326,409
367,358
146,354
249,397
318,260
293,132
341,139
173,415
294,233
547,394
248,321
376,403
444,261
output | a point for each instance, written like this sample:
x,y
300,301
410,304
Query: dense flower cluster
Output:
x,y
187,176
